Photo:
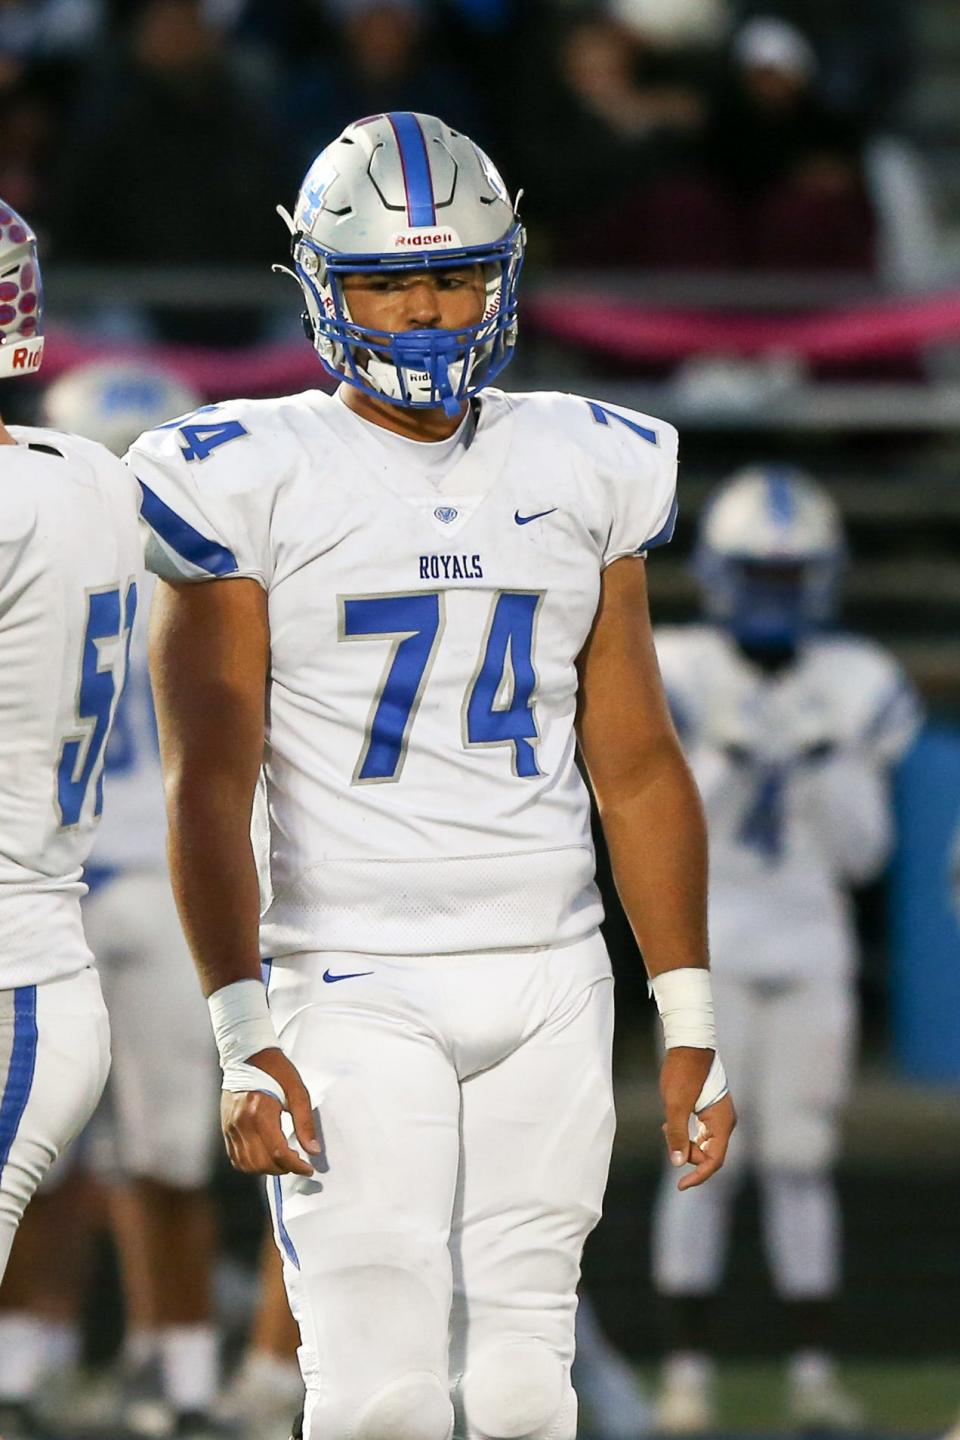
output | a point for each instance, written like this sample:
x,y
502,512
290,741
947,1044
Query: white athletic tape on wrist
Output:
x,y
241,1021
685,1002
243,1079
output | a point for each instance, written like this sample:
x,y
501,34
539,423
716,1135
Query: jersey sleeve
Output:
x,y
893,715
18,518
206,484
637,462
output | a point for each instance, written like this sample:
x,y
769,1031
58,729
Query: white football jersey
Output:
x,y
419,787
70,560
133,832
793,768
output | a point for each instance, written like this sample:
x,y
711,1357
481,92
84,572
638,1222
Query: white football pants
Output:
x,y
788,1053
467,1110
54,1058
164,1094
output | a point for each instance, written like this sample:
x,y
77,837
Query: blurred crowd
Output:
x,y
724,134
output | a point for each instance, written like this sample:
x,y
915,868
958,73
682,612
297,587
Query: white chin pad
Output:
x,y
383,376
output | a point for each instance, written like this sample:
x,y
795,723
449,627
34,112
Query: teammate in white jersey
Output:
x,y
791,732
69,566
162,1096
420,594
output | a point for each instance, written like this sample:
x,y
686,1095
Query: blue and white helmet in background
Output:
x,y
21,296
114,401
404,192
770,555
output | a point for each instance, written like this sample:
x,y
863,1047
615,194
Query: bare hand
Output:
x,y
682,1076
251,1127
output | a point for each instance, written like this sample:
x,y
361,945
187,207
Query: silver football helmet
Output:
x,y
114,401
404,192
21,296
770,555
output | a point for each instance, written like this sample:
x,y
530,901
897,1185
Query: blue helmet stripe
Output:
x,y
780,498
417,180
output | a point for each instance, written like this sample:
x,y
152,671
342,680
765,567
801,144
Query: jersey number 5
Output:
x,y
499,706
98,690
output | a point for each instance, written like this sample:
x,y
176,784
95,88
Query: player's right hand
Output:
x,y
250,1121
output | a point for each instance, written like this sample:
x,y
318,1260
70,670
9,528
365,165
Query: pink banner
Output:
x,y
277,369
599,322
630,331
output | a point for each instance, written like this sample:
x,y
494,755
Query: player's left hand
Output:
x,y
682,1076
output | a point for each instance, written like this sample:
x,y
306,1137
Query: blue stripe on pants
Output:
x,y
282,1231
20,1072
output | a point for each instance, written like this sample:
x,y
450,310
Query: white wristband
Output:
x,y
241,1021
685,1002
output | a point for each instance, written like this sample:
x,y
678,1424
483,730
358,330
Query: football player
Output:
x,y
163,1088
69,566
388,615
791,731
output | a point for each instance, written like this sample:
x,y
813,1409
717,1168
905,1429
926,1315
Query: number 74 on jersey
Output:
x,y
499,705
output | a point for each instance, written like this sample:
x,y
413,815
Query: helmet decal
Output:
x,y
493,177
317,182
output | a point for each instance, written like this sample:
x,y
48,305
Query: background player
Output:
x,y
69,566
162,1097
791,733
420,571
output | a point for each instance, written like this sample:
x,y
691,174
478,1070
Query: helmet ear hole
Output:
x,y
307,324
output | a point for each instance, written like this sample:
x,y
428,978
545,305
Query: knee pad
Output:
x,y
519,1391
416,1407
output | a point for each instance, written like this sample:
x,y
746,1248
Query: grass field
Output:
x,y
909,1399
917,1400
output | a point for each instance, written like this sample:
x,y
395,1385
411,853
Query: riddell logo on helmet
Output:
x,y
424,237
26,359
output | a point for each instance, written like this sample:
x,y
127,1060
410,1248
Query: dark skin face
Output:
x,y
418,300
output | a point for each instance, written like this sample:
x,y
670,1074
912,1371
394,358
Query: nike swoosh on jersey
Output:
x,y
525,519
354,975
